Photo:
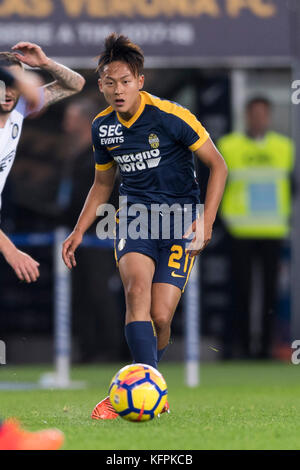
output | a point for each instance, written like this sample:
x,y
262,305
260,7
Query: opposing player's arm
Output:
x,y
67,82
98,194
25,267
212,158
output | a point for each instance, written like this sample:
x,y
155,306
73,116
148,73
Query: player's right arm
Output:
x,y
98,194
25,267
105,172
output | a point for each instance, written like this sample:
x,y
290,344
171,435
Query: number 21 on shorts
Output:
x,y
176,257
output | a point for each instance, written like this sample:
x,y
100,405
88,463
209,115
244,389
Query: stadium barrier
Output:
x,y
63,311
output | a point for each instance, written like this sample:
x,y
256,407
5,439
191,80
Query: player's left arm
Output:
x,y
212,158
67,82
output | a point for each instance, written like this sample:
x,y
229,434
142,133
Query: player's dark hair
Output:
x,y
258,100
7,59
119,47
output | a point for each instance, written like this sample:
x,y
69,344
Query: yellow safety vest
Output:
x,y
257,197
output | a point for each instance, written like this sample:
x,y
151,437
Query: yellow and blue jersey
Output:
x,y
153,151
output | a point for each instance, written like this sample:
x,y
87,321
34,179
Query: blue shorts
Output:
x,y
172,263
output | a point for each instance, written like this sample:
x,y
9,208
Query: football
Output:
x,y
138,392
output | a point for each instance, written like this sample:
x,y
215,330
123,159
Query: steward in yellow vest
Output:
x,y
257,198
256,210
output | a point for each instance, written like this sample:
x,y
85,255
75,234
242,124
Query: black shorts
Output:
x,y
172,263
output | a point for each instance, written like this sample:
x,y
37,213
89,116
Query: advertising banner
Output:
x,y
167,30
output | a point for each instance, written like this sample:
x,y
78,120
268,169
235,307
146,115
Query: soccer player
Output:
x,y
151,140
13,111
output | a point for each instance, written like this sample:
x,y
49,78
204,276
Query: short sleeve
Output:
x,y
103,159
185,127
192,134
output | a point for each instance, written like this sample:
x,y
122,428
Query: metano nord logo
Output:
x,y
153,141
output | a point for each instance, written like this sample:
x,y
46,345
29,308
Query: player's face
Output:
x,y
121,88
258,118
11,94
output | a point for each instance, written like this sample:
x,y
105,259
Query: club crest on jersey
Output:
x,y
153,141
112,134
15,131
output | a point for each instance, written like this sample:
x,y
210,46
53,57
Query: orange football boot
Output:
x,y
104,410
12,437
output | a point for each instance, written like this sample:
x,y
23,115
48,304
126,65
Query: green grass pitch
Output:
x,y
240,405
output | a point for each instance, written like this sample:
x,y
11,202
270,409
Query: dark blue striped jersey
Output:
x,y
153,151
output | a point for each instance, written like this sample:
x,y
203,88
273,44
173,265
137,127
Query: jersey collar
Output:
x,y
135,116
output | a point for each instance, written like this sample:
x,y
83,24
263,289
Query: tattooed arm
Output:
x,y
67,82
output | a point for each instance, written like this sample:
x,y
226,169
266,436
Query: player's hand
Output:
x,y
202,233
25,267
31,54
69,247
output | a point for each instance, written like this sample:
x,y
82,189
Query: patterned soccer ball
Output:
x,y
138,392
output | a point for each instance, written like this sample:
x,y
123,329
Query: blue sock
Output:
x,y
160,353
142,342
